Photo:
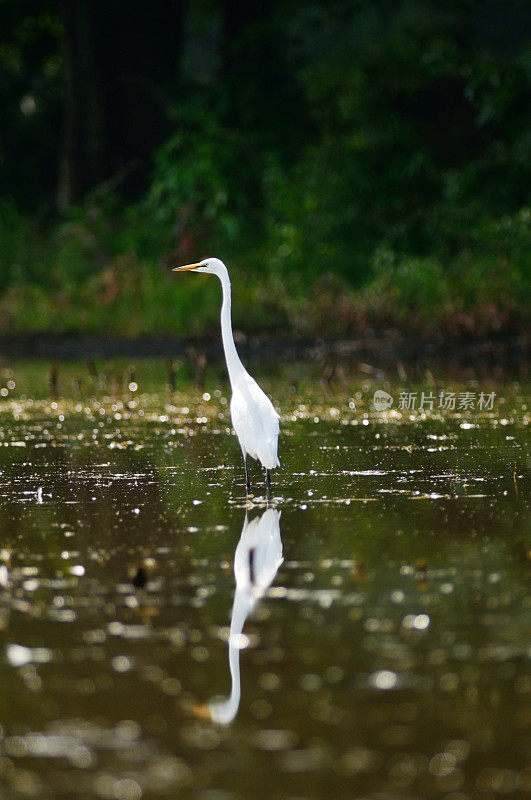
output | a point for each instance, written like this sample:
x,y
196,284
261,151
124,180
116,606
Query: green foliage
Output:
x,y
189,194
485,288
393,188
422,146
30,85
15,244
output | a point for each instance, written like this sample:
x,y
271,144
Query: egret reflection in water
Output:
x,y
257,558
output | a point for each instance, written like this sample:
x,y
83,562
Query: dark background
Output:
x,y
357,164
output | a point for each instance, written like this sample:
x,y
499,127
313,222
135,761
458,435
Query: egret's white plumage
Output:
x,y
255,421
253,416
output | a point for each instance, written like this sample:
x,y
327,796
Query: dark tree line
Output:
x,y
349,133
89,87
119,61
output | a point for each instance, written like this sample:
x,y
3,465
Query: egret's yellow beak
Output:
x,y
188,266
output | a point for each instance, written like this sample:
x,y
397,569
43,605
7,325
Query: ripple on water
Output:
x,y
388,649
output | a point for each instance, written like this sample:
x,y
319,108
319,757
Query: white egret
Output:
x,y
253,415
256,561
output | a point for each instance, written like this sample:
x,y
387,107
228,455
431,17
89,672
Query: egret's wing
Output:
x,y
269,422
262,400
245,422
255,421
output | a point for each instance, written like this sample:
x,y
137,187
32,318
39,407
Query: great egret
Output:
x,y
256,561
253,416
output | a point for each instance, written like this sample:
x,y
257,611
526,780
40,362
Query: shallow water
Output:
x,y
380,624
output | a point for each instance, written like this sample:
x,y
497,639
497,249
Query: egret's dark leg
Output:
x,y
247,479
268,480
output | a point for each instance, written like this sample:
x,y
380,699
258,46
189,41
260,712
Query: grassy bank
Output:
x,y
99,273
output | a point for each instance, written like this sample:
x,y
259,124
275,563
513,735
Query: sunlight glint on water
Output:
x,y
385,655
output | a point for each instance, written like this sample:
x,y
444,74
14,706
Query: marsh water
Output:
x,y
361,633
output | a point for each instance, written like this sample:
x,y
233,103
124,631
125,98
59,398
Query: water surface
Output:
x,y
363,633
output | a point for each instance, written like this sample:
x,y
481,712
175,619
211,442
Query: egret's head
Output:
x,y
211,265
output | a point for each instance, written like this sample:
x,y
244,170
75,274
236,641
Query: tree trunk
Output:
x,y
82,152
120,73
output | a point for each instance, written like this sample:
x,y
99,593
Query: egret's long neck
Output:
x,y
234,365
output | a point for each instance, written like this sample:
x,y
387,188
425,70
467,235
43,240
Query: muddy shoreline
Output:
x,y
503,355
